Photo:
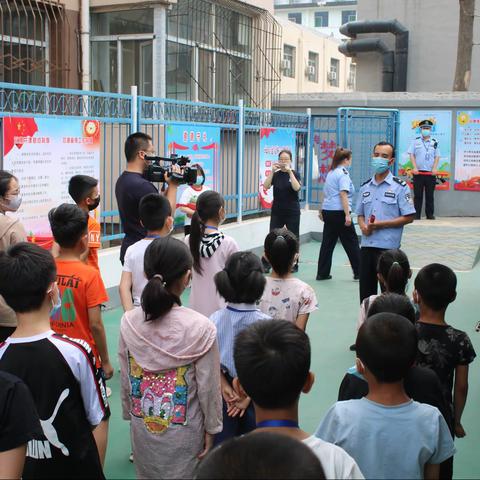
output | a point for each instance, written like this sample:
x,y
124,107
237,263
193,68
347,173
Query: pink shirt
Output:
x,y
204,297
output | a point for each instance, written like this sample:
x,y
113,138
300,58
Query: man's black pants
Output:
x,y
423,183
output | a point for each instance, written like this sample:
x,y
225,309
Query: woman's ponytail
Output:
x,y
156,299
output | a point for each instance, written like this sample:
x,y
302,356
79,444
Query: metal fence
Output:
x,y
119,115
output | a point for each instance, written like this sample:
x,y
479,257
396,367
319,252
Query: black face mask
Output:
x,y
95,204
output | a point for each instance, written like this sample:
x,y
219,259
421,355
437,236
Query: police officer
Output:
x,y
336,214
384,206
424,155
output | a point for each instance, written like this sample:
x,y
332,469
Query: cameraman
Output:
x,y
131,187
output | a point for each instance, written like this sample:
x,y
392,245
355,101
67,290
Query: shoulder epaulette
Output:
x,y
403,183
345,171
364,183
418,138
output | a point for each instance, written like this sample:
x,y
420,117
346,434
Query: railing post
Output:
x,y
308,159
240,156
134,108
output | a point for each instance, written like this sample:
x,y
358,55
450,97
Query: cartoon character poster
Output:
x,y
467,159
272,142
201,144
441,131
44,153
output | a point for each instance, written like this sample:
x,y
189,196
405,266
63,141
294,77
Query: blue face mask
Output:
x,y
426,132
379,164
200,181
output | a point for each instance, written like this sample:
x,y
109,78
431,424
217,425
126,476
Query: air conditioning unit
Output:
x,y
310,70
332,76
286,64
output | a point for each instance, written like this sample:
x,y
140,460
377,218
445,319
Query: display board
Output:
x,y
467,158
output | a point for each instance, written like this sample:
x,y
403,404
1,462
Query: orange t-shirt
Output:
x,y
81,288
93,242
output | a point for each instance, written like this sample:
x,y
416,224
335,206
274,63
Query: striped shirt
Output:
x,y
230,321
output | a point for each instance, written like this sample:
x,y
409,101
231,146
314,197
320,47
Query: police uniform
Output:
x,y
387,200
425,153
337,180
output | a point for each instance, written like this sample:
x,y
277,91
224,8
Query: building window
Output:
x,y
334,72
118,63
352,76
295,17
288,64
349,16
312,67
321,19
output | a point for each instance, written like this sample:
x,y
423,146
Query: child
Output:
x,y
210,250
60,372
241,284
84,192
393,272
444,349
273,366
16,403
387,433
189,197
286,297
156,216
421,384
170,370
259,456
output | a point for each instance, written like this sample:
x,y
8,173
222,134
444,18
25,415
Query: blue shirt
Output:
x,y
424,152
338,180
388,441
230,321
388,200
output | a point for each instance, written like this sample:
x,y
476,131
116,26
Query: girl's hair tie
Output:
x,y
159,276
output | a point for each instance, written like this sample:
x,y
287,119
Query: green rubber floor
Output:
x,y
331,330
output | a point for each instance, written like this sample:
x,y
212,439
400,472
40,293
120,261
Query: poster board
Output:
x,y
467,158
202,145
409,130
44,153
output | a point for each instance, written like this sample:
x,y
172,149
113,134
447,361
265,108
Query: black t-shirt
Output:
x,y
70,398
19,421
442,348
130,188
421,384
285,198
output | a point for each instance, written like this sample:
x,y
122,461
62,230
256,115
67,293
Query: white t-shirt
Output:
x,y
134,264
287,298
189,199
336,462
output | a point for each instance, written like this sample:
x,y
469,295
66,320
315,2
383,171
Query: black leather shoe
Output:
x,y
356,277
432,217
328,277
353,348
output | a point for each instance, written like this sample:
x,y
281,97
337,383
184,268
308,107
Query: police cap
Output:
x,y
426,123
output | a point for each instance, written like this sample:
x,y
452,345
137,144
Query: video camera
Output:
x,y
158,172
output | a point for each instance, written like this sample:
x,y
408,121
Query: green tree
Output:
x,y
463,71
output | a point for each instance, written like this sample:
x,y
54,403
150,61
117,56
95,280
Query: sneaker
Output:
x,y
431,217
130,458
356,277
109,391
328,277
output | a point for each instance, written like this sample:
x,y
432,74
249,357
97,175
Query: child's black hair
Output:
x,y
281,246
154,209
387,346
260,455
80,187
166,261
272,359
5,179
394,267
68,223
208,207
437,286
26,273
242,280
393,303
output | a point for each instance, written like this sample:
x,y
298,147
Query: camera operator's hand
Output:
x,y
170,179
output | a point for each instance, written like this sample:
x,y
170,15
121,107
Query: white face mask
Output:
x,y
11,204
56,304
